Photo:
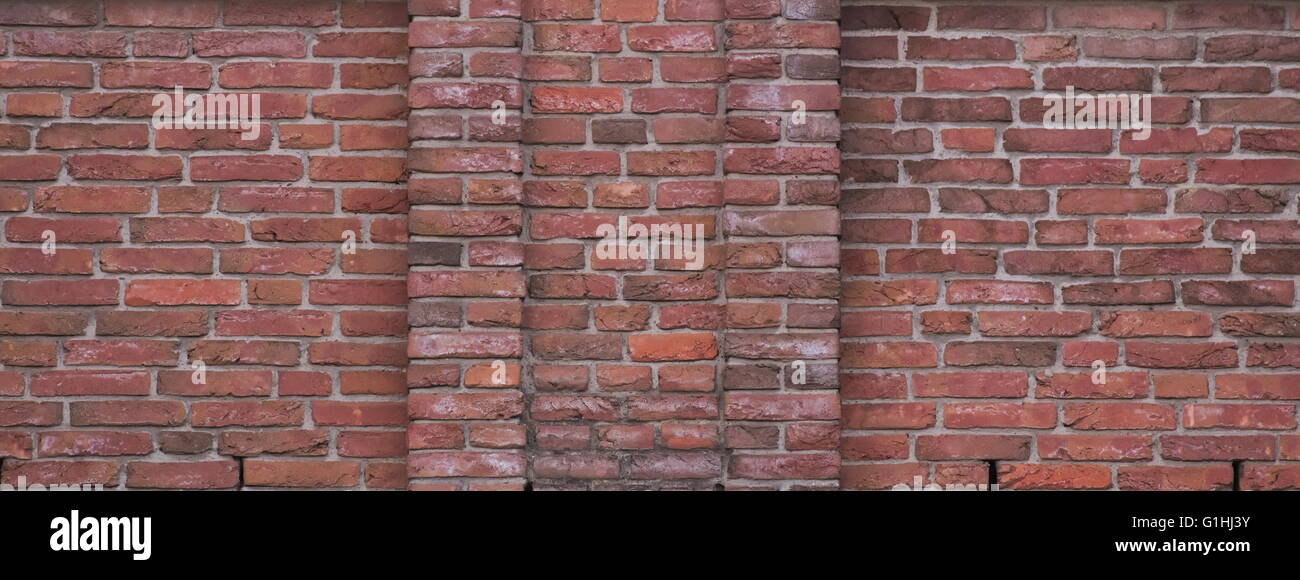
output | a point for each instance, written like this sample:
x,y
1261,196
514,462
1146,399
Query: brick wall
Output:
x,y
1073,246
828,341
176,245
622,372
467,283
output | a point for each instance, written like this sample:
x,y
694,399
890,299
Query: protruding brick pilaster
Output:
x,y
781,224
466,284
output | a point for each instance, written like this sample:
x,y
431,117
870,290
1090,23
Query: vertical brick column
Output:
x,y
622,121
782,225
466,285
878,335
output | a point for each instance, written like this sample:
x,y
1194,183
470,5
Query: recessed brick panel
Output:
x,y
174,246
1076,250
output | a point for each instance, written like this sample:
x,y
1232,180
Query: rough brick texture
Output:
x,y
828,153
623,372
1072,247
175,245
